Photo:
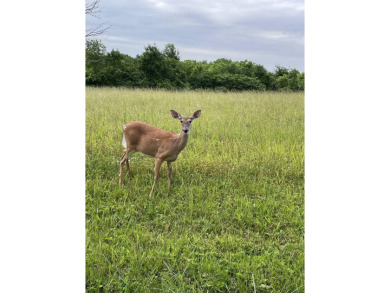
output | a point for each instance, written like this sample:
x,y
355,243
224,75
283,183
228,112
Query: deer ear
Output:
x,y
175,114
196,114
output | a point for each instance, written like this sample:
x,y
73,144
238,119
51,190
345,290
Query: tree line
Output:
x,y
156,68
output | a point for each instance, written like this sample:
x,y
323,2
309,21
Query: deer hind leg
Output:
x,y
127,165
124,159
156,173
169,164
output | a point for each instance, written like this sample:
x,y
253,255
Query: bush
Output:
x,y
163,69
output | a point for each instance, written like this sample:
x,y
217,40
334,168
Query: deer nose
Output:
x,y
186,130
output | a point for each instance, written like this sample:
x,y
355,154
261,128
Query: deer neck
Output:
x,y
182,139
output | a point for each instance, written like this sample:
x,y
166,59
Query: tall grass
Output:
x,y
234,221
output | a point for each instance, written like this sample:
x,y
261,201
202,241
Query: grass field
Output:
x,y
234,221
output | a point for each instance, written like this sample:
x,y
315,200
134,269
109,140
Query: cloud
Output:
x,y
265,31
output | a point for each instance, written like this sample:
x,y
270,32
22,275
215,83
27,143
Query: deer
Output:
x,y
164,146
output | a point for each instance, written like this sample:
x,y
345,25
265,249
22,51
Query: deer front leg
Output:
x,y
169,164
156,172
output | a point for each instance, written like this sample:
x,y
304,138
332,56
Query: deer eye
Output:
x,y
181,121
190,121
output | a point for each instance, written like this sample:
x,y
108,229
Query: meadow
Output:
x,y
234,221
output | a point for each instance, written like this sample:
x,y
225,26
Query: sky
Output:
x,y
266,32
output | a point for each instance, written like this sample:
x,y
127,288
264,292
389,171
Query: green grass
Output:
x,y
234,221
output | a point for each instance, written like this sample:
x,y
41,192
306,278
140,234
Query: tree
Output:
x,y
280,71
282,83
301,81
163,69
92,9
263,76
152,64
95,53
293,80
170,52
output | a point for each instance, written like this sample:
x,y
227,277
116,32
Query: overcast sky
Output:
x,y
267,32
